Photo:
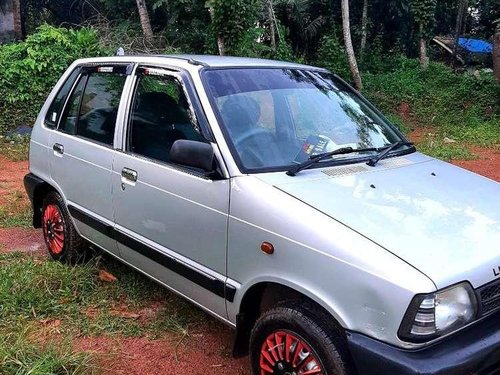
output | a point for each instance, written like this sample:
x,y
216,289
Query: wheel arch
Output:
x,y
263,296
37,189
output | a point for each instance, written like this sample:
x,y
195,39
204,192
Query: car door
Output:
x,y
82,151
171,222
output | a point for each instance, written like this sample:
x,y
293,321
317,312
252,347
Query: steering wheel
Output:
x,y
247,151
251,133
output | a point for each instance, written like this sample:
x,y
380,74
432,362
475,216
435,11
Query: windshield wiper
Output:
x,y
317,158
386,150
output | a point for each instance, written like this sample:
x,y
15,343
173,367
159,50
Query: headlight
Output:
x,y
434,315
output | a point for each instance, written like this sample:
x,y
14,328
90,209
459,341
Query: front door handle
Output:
x,y
59,148
129,174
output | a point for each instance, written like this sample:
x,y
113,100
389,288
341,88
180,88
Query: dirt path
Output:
x,y
21,239
200,353
486,164
206,351
11,177
11,180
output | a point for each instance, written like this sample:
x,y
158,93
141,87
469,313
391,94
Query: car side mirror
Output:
x,y
193,154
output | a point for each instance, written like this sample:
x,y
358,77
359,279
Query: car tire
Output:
x,y
61,238
309,343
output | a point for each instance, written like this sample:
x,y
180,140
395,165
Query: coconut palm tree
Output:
x,y
353,64
145,22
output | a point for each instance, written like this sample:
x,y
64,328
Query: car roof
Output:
x,y
201,60
233,61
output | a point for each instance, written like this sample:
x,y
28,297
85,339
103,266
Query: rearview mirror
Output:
x,y
193,154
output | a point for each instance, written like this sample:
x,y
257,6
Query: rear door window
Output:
x,y
99,107
68,121
55,110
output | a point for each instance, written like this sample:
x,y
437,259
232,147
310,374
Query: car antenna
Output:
x,y
120,51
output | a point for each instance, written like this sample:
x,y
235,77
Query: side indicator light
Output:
x,y
267,248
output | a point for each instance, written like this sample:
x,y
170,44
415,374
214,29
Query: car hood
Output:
x,y
439,218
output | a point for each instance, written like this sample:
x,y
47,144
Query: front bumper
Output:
x,y
474,350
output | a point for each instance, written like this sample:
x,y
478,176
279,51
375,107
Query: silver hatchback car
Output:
x,y
276,198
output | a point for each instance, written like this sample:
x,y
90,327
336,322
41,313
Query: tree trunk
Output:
x,y
364,27
221,45
496,54
424,59
459,28
353,64
145,22
272,29
16,9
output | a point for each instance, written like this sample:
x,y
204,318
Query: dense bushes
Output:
x,y
29,69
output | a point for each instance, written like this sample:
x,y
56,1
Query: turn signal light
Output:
x,y
267,248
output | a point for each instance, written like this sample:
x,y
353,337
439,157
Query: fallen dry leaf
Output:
x,y
51,322
124,314
107,277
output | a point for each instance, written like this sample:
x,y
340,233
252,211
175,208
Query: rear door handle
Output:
x,y
59,148
129,174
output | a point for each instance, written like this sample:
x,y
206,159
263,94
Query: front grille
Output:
x,y
489,297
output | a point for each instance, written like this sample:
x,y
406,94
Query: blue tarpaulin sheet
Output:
x,y
475,45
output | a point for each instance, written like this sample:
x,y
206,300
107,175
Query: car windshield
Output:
x,y
276,118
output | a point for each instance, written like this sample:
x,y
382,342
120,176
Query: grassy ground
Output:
x,y
16,212
43,301
20,354
14,149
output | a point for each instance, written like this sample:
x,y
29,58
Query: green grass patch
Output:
x,y
15,150
16,211
21,355
445,151
34,291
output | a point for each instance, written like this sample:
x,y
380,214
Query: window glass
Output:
x,y
99,107
68,122
276,118
55,109
160,116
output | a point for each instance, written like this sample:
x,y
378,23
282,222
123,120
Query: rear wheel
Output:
x,y
294,339
63,242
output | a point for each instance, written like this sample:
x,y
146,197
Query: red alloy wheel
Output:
x,y
284,353
53,229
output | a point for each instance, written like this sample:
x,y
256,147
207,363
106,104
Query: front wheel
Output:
x,y
63,242
295,339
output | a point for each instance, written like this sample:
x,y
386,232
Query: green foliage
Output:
x,y
332,55
284,52
29,70
248,47
233,19
423,12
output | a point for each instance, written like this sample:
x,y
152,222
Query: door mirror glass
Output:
x,y
193,154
